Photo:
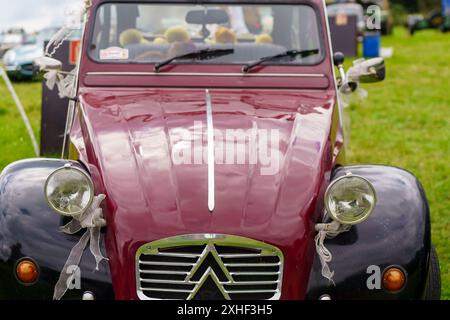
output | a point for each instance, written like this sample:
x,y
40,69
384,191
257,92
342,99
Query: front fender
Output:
x,y
397,233
29,228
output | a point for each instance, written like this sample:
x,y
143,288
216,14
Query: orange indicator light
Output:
x,y
27,271
394,279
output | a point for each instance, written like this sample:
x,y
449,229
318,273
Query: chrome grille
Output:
x,y
208,266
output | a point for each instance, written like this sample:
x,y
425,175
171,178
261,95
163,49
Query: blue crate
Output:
x,y
446,7
371,44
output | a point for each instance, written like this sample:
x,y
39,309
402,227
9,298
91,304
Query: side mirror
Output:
x,y
47,64
338,59
367,71
64,81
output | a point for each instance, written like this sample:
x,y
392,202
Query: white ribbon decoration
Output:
x,y
347,98
58,38
64,83
93,221
327,231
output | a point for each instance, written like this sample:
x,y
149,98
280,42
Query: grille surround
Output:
x,y
176,268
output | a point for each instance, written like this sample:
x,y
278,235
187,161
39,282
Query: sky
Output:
x,y
35,14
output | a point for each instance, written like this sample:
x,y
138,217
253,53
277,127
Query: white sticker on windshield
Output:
x,y
114,53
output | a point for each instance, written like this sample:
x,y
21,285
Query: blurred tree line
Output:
x,y
401,8
416,5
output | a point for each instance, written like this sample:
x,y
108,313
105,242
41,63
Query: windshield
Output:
x,y
152,33
12,38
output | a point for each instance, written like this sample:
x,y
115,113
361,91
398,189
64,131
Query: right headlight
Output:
x,y
69,191
350,199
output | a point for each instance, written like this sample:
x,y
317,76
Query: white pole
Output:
x,y
21,110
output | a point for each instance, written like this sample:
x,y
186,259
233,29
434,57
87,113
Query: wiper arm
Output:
x,y
290,53
204,54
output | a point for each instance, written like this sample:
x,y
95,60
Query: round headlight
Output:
x,y
9,57
69,191
350,199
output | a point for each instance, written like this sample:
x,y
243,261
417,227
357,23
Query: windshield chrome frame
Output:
x,y
317,10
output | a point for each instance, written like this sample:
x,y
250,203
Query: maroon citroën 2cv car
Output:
x,y
205,158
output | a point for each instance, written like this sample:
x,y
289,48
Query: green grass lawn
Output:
x,y
404,122
14,139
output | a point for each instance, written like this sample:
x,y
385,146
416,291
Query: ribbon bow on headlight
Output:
x,y
70,192
349,200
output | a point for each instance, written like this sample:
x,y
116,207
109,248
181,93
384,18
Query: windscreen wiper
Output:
x,y
289,53
204,54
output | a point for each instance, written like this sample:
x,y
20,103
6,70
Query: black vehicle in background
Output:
x,y
435,19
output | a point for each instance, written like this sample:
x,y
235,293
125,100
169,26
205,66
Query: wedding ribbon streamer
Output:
x,y
64,83
93,221
58,38
327,231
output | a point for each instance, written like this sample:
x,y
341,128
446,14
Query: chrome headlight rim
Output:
x,y
327,197
70,166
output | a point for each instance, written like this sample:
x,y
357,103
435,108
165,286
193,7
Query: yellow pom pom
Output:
x,y
263,38
177,34
130,36
160,41
225,35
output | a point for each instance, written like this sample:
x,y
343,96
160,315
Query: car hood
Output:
x,y
138,144
26,53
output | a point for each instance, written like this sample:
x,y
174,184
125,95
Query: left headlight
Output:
x,y
350,199
69,191
10,57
